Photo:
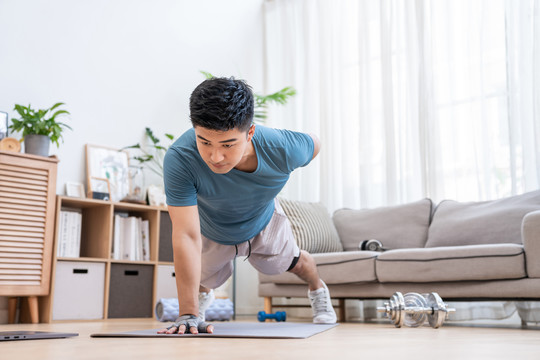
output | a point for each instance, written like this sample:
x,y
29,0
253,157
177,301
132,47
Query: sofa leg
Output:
x,y
341,307
268,304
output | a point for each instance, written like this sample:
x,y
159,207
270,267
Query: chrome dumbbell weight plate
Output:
x,y
439,310
394,309
414,310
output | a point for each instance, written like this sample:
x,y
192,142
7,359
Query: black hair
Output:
x,y
222,104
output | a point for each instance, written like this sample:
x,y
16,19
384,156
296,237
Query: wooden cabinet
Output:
x,y
122,281
27,212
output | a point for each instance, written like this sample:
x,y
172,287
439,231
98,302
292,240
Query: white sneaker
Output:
x,y
323,311
205,300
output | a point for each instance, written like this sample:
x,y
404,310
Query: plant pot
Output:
x,y
37,144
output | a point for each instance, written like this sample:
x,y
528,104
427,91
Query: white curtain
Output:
x,y
411,99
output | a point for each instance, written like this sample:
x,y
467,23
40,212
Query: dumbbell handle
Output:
x,y
417,310
425,310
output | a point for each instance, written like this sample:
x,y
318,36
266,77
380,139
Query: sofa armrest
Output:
x,y
530,233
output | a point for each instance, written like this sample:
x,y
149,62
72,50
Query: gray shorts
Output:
x,y
272,252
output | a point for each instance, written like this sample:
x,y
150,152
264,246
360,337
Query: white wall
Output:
x,y
123,65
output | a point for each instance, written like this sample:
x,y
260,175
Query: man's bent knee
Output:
x,y
299,262
294,262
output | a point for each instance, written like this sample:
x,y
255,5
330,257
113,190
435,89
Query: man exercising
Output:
x,y
221,181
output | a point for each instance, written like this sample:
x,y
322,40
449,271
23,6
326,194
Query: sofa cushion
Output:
x,y
488,222
452,263
312,226
397,227
334,268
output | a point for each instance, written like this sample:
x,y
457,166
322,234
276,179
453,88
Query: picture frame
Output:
x,y
3,125
101,188
75,189
107,171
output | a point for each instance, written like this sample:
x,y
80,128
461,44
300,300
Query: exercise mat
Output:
x,y
284,330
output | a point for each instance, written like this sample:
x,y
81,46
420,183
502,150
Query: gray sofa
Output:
x,y
463,251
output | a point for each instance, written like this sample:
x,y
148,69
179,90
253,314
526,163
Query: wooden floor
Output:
x,y
346,341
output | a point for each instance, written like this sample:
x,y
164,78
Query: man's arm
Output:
x,y
187,247
316,145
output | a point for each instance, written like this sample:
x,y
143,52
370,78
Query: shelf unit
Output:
x,y
96,286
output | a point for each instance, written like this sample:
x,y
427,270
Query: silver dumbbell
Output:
x,y
413,309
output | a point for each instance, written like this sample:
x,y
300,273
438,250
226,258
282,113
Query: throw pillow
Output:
x,y
397,227
312,226
487,222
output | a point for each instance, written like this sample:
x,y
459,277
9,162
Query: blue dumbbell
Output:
x,y
278,316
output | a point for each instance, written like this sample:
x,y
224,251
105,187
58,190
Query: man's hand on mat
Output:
x,y
191,323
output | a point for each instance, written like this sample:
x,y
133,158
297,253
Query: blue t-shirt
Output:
x,y
236,206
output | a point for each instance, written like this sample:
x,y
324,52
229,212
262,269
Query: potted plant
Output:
x,y
38,128
152,154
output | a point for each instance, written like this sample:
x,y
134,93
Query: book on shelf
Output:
x,y
69,233
131,240
118,235
145,232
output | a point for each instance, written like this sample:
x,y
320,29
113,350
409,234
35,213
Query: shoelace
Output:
x,y
320,302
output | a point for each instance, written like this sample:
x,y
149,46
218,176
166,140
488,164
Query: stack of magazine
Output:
x,y
131,240
69,233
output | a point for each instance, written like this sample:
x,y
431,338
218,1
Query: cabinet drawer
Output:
x,y
130,291
166,282
79,290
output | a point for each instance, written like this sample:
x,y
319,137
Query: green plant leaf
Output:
x,y
56,105
65,125
59,112
143,158
150,134
279,97
21,110
207,75
136,146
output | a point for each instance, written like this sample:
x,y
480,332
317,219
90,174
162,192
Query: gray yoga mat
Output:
x,y
284,330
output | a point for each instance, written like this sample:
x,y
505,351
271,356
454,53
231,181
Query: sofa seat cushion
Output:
x,y
452,263
334,268
487,222
397,227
